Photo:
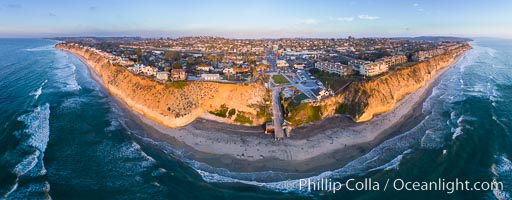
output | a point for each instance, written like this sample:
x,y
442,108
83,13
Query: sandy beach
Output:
x,y
317,147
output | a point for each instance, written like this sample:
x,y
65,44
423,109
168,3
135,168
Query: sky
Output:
x,y
256,18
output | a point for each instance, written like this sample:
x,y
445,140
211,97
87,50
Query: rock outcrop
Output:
x,y
166,104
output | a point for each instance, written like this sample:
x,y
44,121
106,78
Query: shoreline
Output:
x,y
321,146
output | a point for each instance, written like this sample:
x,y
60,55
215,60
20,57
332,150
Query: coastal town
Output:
x,y
294,70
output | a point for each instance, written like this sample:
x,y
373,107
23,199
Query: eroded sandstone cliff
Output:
x,y
168,105
363,100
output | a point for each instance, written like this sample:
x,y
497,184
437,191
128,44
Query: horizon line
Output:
x,y
245,38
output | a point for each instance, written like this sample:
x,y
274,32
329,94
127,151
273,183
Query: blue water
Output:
x,y
64,137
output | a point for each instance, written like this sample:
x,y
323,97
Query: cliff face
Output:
x,y
168,105
363,100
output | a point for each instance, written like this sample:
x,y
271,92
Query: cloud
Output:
x,y
93,8
308,22
368,17
417,7
52,14
13,5
344,19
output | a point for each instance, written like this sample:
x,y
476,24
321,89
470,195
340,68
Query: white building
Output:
x,y
356,64
336,68
210,77
205,68
373,69
146,70
282,63
393,60
228,70
162,76
299,66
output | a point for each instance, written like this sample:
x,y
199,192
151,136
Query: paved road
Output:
x,y
301,87
272,60
278,114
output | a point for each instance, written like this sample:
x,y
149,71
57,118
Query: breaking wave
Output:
x,y
38,127
27,158
42,48
502,171
429,133
65,72
39,90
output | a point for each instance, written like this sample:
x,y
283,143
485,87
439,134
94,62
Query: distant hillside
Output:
x,y
93,40
437,38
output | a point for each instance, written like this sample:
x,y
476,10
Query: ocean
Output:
x,y
64,137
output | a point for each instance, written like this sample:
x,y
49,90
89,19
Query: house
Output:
x,y
210,77
149,70
299,65
162,76
319,93
178,75
424,55
282,63
228,70
373,69
146,70
205,68
356,64
336,68
393,60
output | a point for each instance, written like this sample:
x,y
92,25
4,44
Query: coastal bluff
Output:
x,y
364,99
168,105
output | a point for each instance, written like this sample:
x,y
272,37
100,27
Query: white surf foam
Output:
x,y
114,125
461,124
39,90
433,138
41,48
65,72
502,171
393,164
27,163
395,146
34,138
33,190
38,127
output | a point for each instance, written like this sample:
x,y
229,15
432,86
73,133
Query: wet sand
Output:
x,y
322,146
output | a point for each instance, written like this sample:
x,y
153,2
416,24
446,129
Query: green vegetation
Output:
x,y
333,81
171,55
221,112
300,97
280,79
177,65
176,84
139,55
231,112
262,113
402,66
242,119
267,97
302,113
342,109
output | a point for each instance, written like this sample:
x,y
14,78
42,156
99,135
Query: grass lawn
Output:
x,y
332,81
280,79
300,97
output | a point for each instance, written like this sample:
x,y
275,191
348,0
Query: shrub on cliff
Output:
x,y
242,119
221,112
176,84
302,113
